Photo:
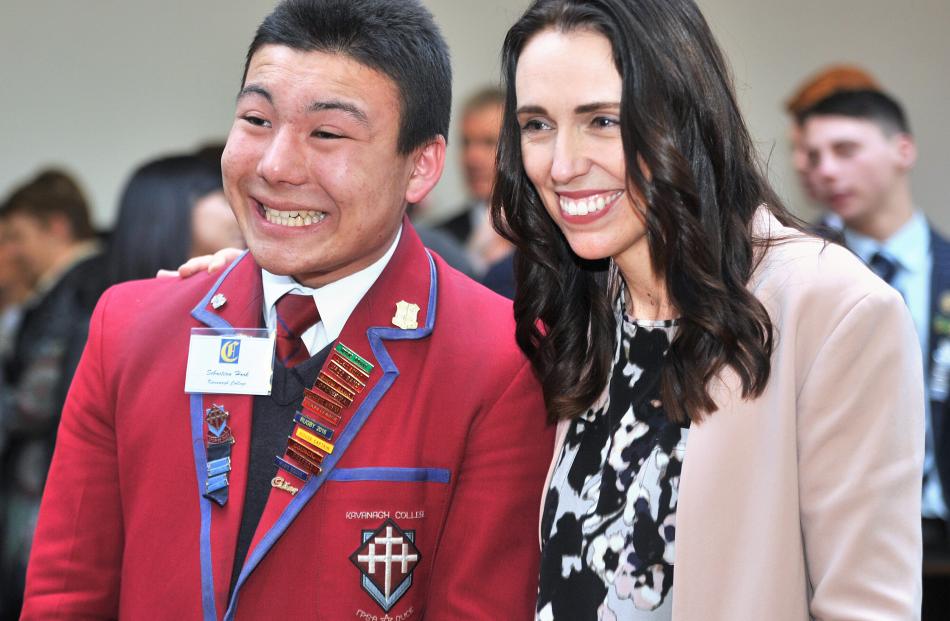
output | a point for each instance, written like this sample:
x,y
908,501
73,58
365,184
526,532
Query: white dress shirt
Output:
x,y
335,301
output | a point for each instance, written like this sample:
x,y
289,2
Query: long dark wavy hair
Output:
x,y
701,186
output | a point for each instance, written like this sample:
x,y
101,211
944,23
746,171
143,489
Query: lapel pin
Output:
x,y
310,466
285,465
354,358
218,430
218,301
407,315
280,483
316,427
343,374
314,441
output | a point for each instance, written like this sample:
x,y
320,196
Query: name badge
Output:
x,y
230,362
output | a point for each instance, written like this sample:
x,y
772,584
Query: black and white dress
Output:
x,y
608,526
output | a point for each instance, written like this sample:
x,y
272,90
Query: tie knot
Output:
x,y
295,313
884,266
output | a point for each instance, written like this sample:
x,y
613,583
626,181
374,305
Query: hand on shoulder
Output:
x,y
211,263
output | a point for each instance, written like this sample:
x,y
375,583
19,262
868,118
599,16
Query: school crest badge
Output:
x,y
407,315
386,559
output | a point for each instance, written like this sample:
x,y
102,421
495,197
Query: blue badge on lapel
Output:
x,y
386,559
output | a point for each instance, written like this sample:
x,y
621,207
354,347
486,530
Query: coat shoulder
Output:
x,y
154,300
801,270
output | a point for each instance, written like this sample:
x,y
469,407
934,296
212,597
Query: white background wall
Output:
x,y
102,85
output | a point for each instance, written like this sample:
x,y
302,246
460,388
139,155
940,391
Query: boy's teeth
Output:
x,y
292,218
586,206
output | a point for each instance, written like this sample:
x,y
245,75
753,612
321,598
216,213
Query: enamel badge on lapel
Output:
x,y
218,430
218,301
407,315
386,559
219,441
311,441
280,483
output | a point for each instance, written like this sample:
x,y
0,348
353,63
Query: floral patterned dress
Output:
x,y
608,526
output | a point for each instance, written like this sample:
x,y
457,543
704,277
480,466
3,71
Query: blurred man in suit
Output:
x,y
471,226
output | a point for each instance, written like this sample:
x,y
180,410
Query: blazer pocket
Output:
x,y
398,475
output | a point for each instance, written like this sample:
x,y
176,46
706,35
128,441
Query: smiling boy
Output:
x,y
391,465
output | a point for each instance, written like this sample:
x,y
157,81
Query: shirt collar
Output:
x,y
335,301
909,246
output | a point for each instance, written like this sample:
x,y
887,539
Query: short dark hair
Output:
x,y
398,38
882,110
51,193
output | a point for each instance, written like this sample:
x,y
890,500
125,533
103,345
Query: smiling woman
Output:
x,y
721,385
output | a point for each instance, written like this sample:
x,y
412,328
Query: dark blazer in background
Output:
x,y
940,336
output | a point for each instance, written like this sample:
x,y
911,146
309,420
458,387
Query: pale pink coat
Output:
x,y
804,503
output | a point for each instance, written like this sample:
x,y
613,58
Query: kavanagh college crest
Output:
x,y
386,558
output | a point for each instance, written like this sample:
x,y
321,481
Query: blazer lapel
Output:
x,y
409,277
238,296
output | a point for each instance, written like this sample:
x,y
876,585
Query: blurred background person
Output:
x,y
471,226
827,81
171,209
14,290
860,152
50,242
441,242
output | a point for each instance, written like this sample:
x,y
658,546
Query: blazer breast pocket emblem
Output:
x,y
386,559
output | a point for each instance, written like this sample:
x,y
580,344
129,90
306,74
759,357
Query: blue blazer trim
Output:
x,y
198,444
376,335
409,475
201,312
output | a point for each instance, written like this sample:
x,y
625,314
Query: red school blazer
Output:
x,y
426,508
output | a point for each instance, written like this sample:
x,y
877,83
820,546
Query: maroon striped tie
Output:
x,y
295,313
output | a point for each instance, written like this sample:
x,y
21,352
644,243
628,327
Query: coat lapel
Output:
x,y
240,289
410,276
